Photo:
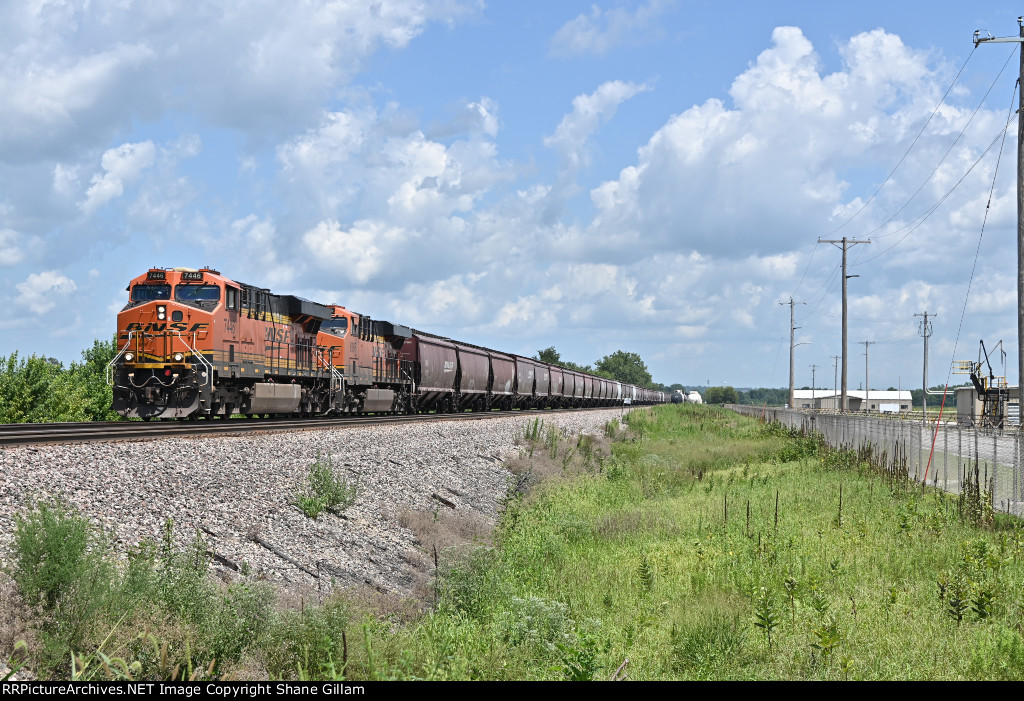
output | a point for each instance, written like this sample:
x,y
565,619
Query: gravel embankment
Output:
x,y
237,489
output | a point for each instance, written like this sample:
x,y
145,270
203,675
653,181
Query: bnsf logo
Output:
x,y
155,327
449,365
278,335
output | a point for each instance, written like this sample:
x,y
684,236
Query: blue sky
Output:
x,y
647,176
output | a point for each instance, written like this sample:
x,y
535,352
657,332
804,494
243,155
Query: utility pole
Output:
x,y
813,385
835,381
792,329
924,329
1019,39
867,387
845,244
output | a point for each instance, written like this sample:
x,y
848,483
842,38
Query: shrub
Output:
x,y
51,554
307,642
326,489
87,606
60,569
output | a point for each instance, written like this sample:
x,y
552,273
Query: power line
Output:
x,y
916,224
909,148
942,160
900,162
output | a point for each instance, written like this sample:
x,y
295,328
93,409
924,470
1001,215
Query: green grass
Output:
x,y
698,545
651,556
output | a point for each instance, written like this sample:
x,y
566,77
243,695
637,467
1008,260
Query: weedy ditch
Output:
x,y
685,542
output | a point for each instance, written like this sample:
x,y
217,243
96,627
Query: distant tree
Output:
x,y
553,357
624,367
620,365
934,400
721,395
34,390
577,367
549,355
765,395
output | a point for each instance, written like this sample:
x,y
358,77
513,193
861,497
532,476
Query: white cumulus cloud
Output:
x,y
41,292
121,167
357,254
601,30
11,252
588,113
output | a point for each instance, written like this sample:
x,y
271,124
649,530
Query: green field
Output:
x,y
690,544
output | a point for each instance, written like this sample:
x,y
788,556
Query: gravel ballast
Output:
x,y
238,492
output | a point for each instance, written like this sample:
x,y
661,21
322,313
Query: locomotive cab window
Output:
x,y
148,293
338,327
197,293
232,298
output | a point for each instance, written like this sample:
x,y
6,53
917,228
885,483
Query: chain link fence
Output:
x,y
958,450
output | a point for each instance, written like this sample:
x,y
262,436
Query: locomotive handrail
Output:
x,y
335,375
337,381
109,369
202,359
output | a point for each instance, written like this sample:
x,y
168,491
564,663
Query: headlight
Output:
x,y
129,357
178,357
161,312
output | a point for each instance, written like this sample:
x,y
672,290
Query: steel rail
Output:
x,y
12,435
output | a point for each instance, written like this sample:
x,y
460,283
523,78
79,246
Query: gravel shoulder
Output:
x,y
236,490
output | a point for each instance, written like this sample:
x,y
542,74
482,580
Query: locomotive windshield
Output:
x,y
338,327
148,293
197,293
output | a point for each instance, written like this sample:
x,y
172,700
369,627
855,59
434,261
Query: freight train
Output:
x,y
194,343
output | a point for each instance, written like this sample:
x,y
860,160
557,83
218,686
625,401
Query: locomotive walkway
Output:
x,y
93,431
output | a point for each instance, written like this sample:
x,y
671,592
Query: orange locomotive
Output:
x,y
195,343
365,352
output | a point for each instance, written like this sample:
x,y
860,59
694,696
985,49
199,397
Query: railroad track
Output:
x,y
111,431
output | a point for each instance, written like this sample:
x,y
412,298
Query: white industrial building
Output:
x,y
873,401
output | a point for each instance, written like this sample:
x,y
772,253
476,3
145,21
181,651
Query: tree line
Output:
x,y
37,389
